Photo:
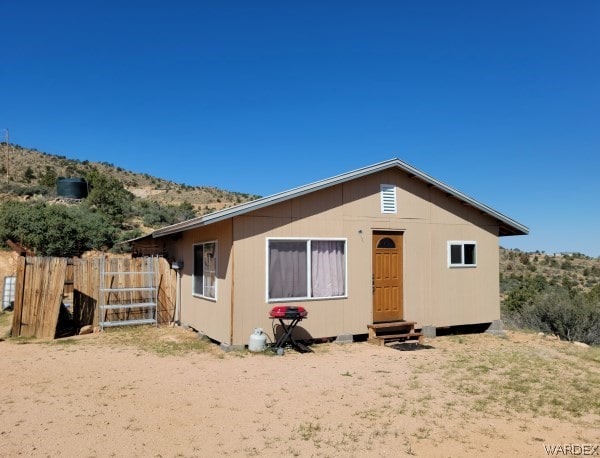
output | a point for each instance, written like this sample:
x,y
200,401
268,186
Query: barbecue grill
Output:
x,y
288,311
288,316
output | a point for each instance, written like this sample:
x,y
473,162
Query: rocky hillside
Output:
x,y
567,269
30,172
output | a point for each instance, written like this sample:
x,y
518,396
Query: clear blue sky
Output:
x,y
499,99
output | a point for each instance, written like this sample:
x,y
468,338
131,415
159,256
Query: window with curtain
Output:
x,y
304,269
205,270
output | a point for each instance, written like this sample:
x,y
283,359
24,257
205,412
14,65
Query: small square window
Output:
x,y
462,254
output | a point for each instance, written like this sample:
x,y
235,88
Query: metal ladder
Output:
x,y
128,305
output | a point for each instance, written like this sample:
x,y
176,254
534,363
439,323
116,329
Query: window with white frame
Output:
x,y
205,270
462,254
306,268
388,198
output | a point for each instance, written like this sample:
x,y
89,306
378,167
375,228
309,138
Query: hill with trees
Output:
x,y
120,205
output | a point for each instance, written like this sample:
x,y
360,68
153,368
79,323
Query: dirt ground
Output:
x,y
473,395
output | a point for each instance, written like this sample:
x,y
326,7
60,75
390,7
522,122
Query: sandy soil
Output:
x,y
86,397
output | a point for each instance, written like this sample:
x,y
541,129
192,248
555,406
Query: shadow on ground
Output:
x,y
409,347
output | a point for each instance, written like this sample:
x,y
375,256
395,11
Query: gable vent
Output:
x,y
388,198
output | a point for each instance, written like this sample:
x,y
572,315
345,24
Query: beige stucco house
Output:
x,y
383,243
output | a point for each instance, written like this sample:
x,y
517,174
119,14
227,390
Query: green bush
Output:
x,y
24,190
523,292
560,310
55,230
570,317
155,215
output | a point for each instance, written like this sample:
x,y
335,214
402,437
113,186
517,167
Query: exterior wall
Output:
x,y
463,295
434,295
211,317
289,219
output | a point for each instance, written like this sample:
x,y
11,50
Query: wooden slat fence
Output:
x,y
86,286
41,287
38,295
167,291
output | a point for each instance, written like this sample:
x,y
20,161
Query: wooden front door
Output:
x,y
387,277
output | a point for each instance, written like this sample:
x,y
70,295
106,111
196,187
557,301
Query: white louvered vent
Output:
x,y
388,198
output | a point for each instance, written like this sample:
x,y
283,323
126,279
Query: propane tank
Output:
x,y
258,340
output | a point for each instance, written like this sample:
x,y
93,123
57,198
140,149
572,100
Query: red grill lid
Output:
x,y
288,311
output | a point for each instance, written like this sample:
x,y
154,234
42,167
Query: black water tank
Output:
x,y
72,188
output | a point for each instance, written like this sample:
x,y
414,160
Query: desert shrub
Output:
x,y
569,283
560,310
570,317
593,296
567,264
25,190
71,170
523,293
28,175
524,258
155,215
508,284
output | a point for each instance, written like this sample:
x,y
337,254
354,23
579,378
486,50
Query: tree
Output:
x,y
48,178
109,197
28,175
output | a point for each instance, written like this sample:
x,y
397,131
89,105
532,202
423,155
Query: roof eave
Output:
x,y
511,226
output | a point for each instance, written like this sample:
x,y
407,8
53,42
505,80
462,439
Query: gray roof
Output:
x,y
507,225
